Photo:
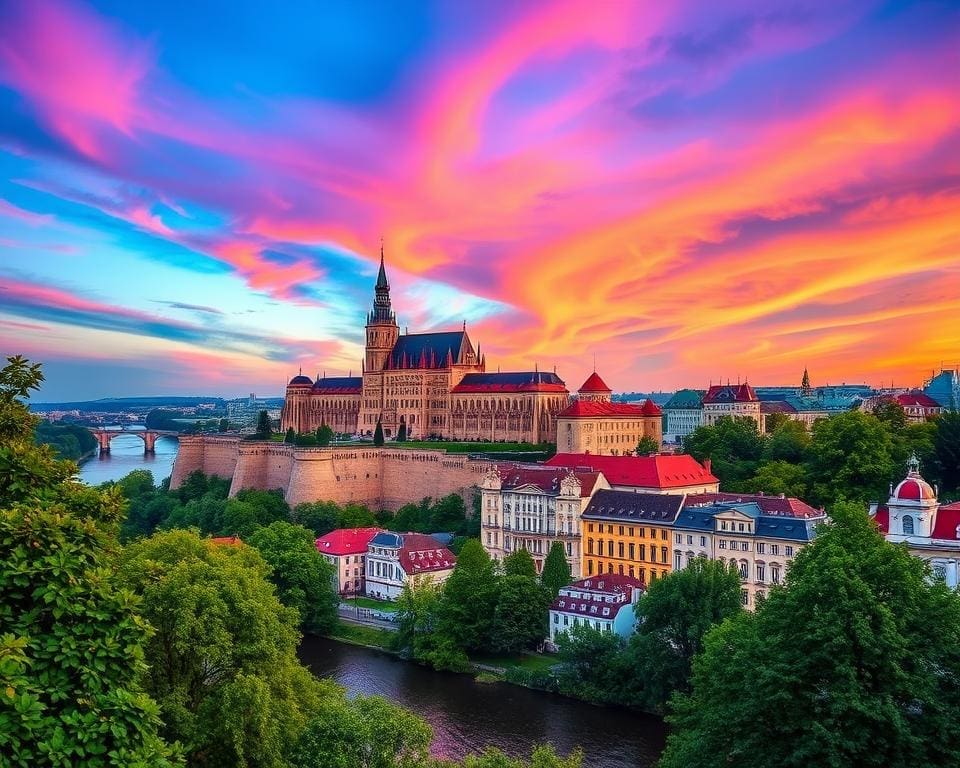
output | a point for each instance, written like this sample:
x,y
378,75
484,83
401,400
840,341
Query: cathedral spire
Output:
x,y
382,312
382,284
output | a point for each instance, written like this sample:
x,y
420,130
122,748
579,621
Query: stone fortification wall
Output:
x,y
381,478
337,474
211,455
261,465
408,476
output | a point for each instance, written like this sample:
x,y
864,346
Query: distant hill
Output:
x,y
121,403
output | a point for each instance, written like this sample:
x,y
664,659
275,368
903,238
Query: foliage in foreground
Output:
x,y
71,636
855,662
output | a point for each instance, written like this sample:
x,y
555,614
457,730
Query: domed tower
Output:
x,y
382,328
296,404
912,506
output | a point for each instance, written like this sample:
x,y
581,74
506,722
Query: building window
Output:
x,y
677,564
744,597
689,540
761,572
722,544
633,551
589,546
907,525
775,574
703,541
774,549
664,555
788,551
744,573
678,539
620,550
761,547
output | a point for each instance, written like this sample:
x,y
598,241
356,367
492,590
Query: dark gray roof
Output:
x,y
387,539
628,506
429,349
695,518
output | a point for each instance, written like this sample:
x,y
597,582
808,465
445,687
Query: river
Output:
x,y
126,454
467,716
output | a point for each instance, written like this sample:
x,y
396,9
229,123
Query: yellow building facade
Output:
x,y
629,534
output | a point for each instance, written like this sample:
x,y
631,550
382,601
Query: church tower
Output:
x,y
382,328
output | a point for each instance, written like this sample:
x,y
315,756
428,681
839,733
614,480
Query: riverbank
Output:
x,y
523,670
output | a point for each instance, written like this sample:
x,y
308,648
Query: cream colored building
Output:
x,y
530,506
758,535
594,424
732,400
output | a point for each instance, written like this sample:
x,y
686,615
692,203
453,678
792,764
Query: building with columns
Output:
x,y
913,515
595,424
530,506
431,384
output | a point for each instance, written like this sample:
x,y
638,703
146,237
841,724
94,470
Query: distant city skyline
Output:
x,y
193,198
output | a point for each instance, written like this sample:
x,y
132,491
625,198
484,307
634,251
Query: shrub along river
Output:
x,y
466,716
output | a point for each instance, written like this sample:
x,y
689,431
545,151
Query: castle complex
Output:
x,y
426,384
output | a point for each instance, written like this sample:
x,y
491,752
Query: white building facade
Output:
x,y
396,559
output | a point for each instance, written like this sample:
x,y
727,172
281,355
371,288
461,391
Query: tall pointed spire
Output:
x,y
382,283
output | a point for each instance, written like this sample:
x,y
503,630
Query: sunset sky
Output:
x,y
193,194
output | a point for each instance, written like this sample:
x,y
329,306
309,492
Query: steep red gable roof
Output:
x,y
660,471
228,541
546,478
730,393
593,408
421,554
594,384
786,506
346,541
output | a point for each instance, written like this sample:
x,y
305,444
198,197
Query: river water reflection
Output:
x,y
126,454
467,716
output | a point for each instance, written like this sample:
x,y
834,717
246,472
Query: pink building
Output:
x,y
346,549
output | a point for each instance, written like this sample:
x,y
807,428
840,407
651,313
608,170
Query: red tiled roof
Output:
x,y
882,519
346,541
421,554
917,399
660,471
730,393
229,541
786,506
593,408
948,519
593,591
546,478
594,384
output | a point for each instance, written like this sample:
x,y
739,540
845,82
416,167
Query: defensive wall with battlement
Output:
x,y
380,478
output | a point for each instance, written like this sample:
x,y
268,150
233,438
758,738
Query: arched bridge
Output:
x,y
149,437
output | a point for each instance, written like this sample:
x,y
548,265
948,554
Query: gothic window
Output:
x,y
907,525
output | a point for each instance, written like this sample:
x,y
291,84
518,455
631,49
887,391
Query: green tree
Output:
x,y
264,427
367,732
591,665
137,483
469,599
378,433
222,663
418,622
858,657
302,576
543,756
519,563
224,425
321,517
291,436
946,445
71,636
774,420
556,570
402,433
891,414
520,616
673,616
324,435
851,457
647,445
448,514
778,477
788,442
732,444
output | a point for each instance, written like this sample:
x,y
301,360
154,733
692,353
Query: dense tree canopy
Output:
x,y
854,662
647,445
733,445
303,577
222,662
71,636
